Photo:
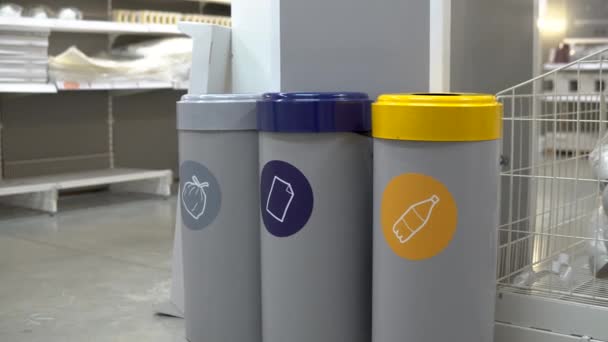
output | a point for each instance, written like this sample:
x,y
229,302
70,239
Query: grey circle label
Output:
x,y
200,196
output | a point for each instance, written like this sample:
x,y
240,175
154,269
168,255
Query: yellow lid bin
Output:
x,y
437,117
436,179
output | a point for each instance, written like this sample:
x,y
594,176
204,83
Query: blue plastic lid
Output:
x,y
314,112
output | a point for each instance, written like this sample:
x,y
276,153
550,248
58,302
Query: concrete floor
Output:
x,y
94,272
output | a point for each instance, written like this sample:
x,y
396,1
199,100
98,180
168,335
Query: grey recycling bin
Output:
x,y
315,204
436,172
219,207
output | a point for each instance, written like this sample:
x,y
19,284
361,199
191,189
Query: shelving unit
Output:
x,y
526,315
125,85
27,88
51,88
90,26
223,2
585,41
41,193
591,66
66,135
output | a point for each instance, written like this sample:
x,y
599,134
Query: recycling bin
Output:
x,y
219,208
315,205
436,181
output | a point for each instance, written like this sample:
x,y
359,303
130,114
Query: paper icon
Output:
x,y
414,219
194,197
279,199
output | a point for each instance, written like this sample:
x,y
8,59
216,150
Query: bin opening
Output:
x,y
438,94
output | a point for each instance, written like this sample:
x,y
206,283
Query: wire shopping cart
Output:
x,y
551,276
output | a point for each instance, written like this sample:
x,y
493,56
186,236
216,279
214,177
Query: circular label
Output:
x,y
418,216
200,196
286,198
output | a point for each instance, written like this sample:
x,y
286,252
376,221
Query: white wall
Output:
x,y
378,46
355,45
492,44
362,45
255,46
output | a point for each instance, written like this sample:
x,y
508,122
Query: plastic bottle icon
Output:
x,y
414,219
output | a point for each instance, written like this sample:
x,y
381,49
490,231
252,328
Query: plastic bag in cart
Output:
x,y
598,158
559,266
597,247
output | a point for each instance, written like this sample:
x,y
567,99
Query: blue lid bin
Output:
x,y
315,207
314,112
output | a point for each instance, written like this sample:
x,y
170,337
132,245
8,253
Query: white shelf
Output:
x,y
89,26
582,41
584,66
28,88
76,180
41,192
568,142
222,2
505,332
10,188
570,98
141,85
553,315
51,88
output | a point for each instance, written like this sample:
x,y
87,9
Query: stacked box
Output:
x,y
24,55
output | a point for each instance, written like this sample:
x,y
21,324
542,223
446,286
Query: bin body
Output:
x,y
315,205
218,153
435,223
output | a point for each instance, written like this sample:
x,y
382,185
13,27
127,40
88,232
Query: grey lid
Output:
x,y
217,112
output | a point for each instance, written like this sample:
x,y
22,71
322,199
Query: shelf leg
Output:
x,y
45,200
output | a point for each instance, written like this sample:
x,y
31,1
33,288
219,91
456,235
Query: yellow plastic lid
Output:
x,y
437,117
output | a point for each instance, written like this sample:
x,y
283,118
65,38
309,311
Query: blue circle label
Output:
x,y
286,198
200,197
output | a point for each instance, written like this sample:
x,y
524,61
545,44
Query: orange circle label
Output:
x,y
418,216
